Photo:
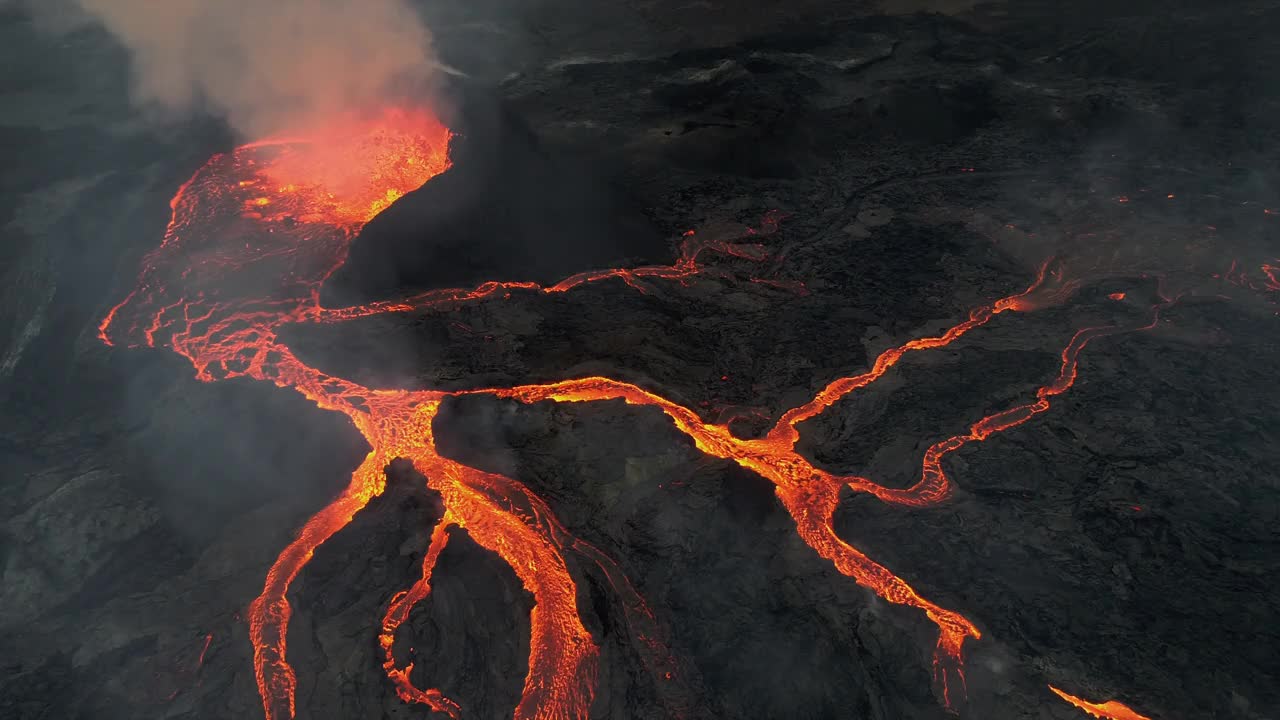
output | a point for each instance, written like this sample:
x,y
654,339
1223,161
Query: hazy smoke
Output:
x,y
270,66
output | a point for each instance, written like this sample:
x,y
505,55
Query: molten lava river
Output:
x,y
286,210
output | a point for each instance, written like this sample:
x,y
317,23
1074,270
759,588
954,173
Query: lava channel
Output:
x,y
253,236
1109,710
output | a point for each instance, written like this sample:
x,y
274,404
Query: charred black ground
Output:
x,y
1122,545
510,206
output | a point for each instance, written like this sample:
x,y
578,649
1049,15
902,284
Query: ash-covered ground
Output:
x,y
924,159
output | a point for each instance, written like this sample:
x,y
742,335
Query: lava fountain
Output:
x,y
253,236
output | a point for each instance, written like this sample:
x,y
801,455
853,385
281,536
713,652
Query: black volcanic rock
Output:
x,y
477,612
1124,544
510,207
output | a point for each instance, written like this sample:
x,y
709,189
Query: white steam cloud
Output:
x,y
270,65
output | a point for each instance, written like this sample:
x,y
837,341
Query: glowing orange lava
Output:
x,y
203,650
256,232
1109,710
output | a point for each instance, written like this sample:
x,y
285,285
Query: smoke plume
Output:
x,y
274,66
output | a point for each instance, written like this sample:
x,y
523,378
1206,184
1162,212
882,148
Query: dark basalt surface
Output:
x,y
509,207
1123,544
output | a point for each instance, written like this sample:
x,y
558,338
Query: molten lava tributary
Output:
x,y
256,232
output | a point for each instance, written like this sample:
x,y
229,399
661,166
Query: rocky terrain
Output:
x,y
920,158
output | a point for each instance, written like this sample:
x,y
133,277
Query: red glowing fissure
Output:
x,y
256,232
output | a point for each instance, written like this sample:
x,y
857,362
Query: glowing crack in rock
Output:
x,y
253,236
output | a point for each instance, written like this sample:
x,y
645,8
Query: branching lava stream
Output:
x,y
256,232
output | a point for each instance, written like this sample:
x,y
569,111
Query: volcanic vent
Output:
x,y
704,361
254,235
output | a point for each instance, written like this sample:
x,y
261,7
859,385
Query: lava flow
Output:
x,y
256,232
1109,710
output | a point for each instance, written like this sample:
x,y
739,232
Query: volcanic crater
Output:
x,y
826,362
